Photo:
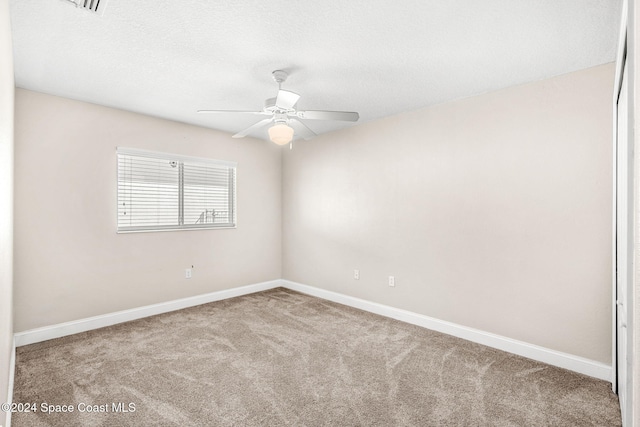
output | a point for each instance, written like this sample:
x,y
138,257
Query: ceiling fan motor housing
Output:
x,y
271,107
281,118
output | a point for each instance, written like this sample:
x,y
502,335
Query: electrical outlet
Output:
x,y
187,273
392,281
356,274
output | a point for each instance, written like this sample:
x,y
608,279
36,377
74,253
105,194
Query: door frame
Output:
x,y
625,187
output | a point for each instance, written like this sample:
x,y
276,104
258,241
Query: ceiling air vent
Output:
x,y
96,6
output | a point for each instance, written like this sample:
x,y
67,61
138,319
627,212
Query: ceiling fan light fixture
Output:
x,y
281,134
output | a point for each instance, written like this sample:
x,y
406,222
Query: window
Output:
x,y
158,191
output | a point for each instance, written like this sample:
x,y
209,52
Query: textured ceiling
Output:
x,y
377,57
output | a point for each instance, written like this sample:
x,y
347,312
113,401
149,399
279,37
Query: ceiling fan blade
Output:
x,y
345,116
286,100
301,129
247,131
233,111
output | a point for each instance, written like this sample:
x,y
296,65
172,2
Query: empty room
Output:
x,y
246,213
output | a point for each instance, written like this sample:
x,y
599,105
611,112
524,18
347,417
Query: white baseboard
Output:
x,y
12,370
541,354
82,325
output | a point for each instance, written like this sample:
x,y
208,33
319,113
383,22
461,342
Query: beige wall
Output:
x,y
6,201
69,261
492,212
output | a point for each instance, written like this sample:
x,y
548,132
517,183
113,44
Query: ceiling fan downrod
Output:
x,y
280,77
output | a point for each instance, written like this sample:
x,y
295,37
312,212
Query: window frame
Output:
x,y
181,160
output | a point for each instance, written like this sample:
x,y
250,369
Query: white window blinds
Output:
x,y
158,191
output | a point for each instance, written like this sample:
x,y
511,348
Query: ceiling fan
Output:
x,y
285,117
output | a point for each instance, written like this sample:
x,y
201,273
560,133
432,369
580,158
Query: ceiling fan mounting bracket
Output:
x,y
280,76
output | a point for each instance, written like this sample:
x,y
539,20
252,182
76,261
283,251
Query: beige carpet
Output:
x,y
280,358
